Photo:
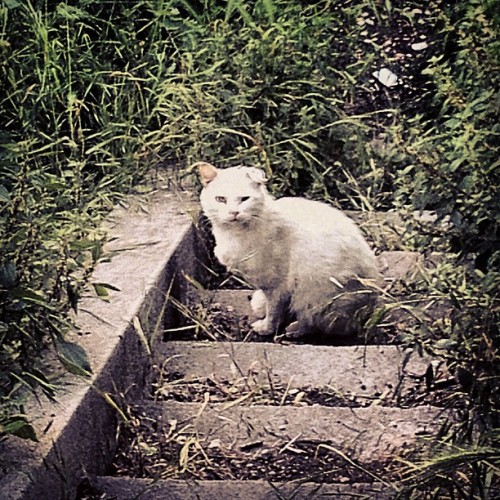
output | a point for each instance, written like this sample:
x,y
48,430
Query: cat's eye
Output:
x,y
244,198
220,199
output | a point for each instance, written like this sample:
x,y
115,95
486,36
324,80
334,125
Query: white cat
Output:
x,y
303,256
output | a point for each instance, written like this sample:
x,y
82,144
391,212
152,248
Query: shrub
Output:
x,y
73,123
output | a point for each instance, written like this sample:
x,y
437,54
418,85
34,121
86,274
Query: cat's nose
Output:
x,y
234,214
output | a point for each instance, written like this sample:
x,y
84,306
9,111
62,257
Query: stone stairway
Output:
x,y
262,420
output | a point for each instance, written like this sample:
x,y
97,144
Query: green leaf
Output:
x,y
378,314
4,194
85,244
8,275
69,12
36,378
270,8
18,426
102,289
26,294
445,344
74,357
11,4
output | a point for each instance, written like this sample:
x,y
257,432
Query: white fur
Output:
x,y
293,249
258,304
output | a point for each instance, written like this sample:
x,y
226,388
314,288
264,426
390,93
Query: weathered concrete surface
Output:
x,y
364,373
151,242
147,489
369,434
399,264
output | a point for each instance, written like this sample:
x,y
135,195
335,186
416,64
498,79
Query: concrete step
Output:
x,y
125,488
372,434
359,375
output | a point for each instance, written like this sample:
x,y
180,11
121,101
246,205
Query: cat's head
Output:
x,y
232,196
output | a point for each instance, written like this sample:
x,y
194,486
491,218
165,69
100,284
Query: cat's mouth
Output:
x,y
237,220
234,216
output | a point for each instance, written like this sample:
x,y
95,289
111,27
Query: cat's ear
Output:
x,y
206,171
256,175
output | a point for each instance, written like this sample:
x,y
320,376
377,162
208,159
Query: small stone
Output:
x,y
298,399
216,443
386,77
419,46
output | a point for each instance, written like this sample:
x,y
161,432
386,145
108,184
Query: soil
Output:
x,y
403,43
152,453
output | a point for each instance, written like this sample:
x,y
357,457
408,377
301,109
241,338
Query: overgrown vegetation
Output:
x,y
95,94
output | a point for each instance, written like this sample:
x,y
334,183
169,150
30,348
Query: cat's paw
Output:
x,y
258,304
261,326
294,331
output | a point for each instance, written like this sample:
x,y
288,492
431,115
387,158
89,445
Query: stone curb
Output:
x,y
151,240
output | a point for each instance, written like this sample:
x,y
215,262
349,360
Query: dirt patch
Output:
x,y
147,451
175,387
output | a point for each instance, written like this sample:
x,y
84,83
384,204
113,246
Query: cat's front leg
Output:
x,y
261,326
276,306
258,304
